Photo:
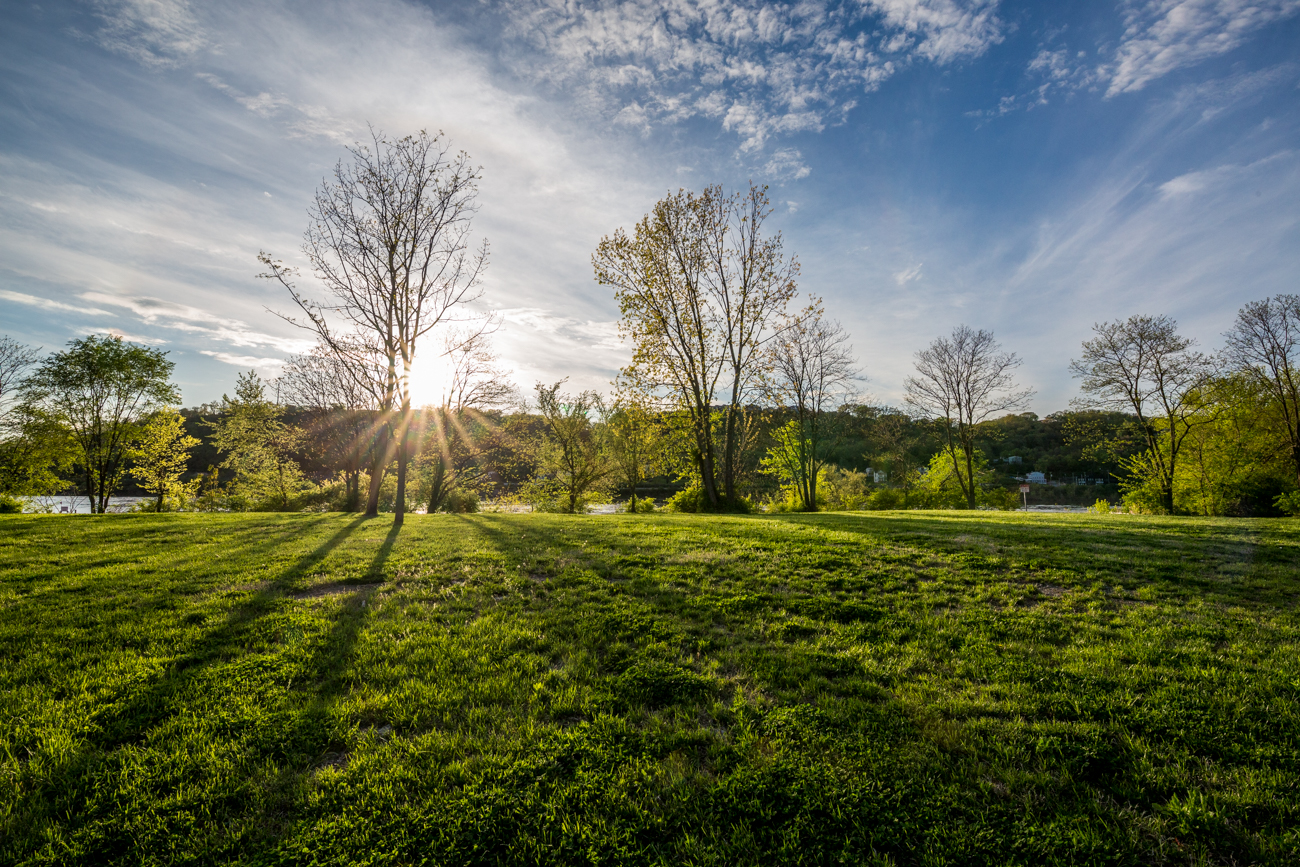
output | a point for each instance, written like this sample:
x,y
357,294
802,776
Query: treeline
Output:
x,y
738,394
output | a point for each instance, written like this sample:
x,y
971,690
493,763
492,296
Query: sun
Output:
x,y
431,377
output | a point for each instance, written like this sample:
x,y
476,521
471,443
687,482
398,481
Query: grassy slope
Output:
x,y
908,688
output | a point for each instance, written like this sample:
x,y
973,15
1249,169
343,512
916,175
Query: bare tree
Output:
x,y
342,400
813,370
1143,365
963,380
1264,345
476,379
701,291
389,244
476,384
16,360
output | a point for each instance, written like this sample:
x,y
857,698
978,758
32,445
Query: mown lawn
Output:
x,y
907,688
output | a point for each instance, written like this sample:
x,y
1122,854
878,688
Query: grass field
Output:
x,y
907,688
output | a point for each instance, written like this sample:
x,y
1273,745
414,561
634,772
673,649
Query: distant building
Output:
x,y
1036,478
1015,459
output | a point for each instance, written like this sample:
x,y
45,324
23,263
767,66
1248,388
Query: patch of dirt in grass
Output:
x,y
334,588
332,760
1051,591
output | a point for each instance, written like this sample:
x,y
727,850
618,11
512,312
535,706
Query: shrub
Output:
x,y
886,498
842,489
688,500
1101,507
1003,499
693,500
459,502
1288,503
10,505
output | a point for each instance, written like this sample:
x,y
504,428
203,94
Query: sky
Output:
x,y
1027,168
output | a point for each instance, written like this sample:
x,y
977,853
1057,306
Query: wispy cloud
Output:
x,y
300,120
182,317
908,275
1164,35
157,33
786,164
50,304
245,361
758,69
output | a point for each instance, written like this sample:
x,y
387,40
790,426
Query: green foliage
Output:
x,y
10,505
36,452
640,506
1288,503
887,499
160,454
694,500
99,390
460,503
1101,507
574,454
965,688
1232,458
788,459
259,447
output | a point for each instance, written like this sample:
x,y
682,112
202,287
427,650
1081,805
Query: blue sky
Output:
x,y
1028,168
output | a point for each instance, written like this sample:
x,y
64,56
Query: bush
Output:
x,y
1003,499
839,489
640,506
459,502
886,498
1101,507
688,500
10,505
693,500
1289,503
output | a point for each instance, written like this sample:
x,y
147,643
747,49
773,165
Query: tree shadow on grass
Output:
x,y
314,739
132,720
1243,567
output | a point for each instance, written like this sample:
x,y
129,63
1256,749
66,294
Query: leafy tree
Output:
x,y
635,443
962,381
1143,365
574,451
160,454
259,446
701,291
1234,459
99,390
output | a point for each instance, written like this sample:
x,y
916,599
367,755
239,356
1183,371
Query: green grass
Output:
x,y
910,688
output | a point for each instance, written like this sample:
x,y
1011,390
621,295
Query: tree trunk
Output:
x,y
161,492
436,492
970,476
399,506
729,456
378,466
708,469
